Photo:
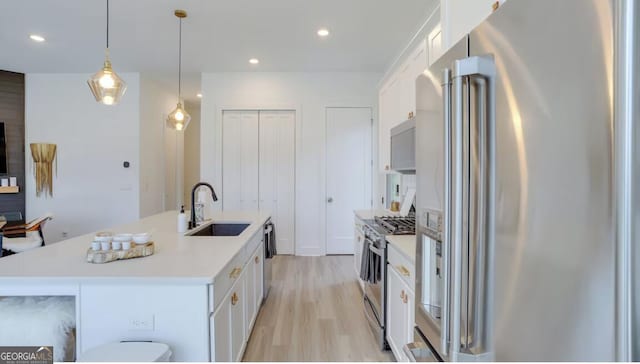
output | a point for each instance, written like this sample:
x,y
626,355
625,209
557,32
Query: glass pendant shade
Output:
x,y
179,118
107,87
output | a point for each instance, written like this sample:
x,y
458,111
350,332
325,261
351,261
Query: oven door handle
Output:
x,y
375,250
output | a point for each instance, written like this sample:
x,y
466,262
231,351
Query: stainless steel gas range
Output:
x,y
373,268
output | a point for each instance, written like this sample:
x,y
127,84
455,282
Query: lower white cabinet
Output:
x,y
400,312
238,318
233,318
253,288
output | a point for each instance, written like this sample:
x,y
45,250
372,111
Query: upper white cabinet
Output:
x,y
434,44
397,99
459,17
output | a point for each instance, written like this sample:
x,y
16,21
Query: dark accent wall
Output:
x,y
12,114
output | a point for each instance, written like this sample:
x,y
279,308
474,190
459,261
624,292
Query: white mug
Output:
x,y
4,182
126,245
95,246
13,181
105,245
117,245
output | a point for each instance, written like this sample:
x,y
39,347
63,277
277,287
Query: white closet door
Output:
x,y
277,174
240,160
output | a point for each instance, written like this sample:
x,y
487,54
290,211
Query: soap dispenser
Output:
x,y
182,220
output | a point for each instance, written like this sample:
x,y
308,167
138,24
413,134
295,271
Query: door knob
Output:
x,y
330,199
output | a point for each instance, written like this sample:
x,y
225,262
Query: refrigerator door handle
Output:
x,y
446,234
478,71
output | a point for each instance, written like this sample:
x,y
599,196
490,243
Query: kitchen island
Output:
x,y
198,294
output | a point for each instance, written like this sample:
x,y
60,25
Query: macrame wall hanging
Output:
x,y
43,156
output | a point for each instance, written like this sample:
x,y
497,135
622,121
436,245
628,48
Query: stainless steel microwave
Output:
x,y
403,147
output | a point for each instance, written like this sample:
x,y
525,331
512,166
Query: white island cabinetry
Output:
x,y
198,294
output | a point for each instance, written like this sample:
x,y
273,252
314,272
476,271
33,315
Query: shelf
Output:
x,y
10,189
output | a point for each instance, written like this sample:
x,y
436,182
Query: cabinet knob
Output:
x,y
359,238
257,260
402,295
330,199
405,299
386,168
234,298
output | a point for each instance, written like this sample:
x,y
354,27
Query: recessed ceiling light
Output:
x,y
199,95
37,38
254,61
324,32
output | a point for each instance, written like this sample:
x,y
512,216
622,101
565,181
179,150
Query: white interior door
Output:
x,y
277,174
348,174
240,160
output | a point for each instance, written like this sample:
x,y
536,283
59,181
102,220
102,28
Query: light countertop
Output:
x,y
177,258
405,244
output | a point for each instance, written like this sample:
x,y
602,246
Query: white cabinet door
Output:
x,y
400,318
238,298
240,160
253,288
277,174
221,326
258,261
434,43
386,116
250,294
397,312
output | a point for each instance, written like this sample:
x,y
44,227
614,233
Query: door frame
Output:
x,y
326,164
297,130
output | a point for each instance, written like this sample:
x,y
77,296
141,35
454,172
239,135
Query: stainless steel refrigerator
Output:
x,y
526,166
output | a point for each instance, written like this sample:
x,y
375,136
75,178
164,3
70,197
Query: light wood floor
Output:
x,y
313,313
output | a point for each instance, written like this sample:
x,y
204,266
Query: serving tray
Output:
x,y
137,251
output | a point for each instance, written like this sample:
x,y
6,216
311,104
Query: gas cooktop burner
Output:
x,y
397,225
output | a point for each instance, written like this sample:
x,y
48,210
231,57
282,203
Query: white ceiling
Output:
x,y
218,35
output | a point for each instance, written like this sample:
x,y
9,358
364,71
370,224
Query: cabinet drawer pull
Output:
x,y
405,299
257,260
234,298
402,295
403,270
235,273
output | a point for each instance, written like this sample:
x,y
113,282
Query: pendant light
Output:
x,y
107,87
179,118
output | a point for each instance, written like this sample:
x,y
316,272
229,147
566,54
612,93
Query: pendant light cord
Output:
x,y
107,24
180,63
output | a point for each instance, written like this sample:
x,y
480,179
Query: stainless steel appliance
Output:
x,y
518,145
373,273
403,147
269,241
373,270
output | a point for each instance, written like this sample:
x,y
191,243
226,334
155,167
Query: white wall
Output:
x,y
155,104
92,189
191,152
309,94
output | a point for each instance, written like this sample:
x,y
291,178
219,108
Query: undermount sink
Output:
x,y
220,229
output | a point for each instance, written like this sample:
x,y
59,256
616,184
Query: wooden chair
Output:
x,y
19,238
